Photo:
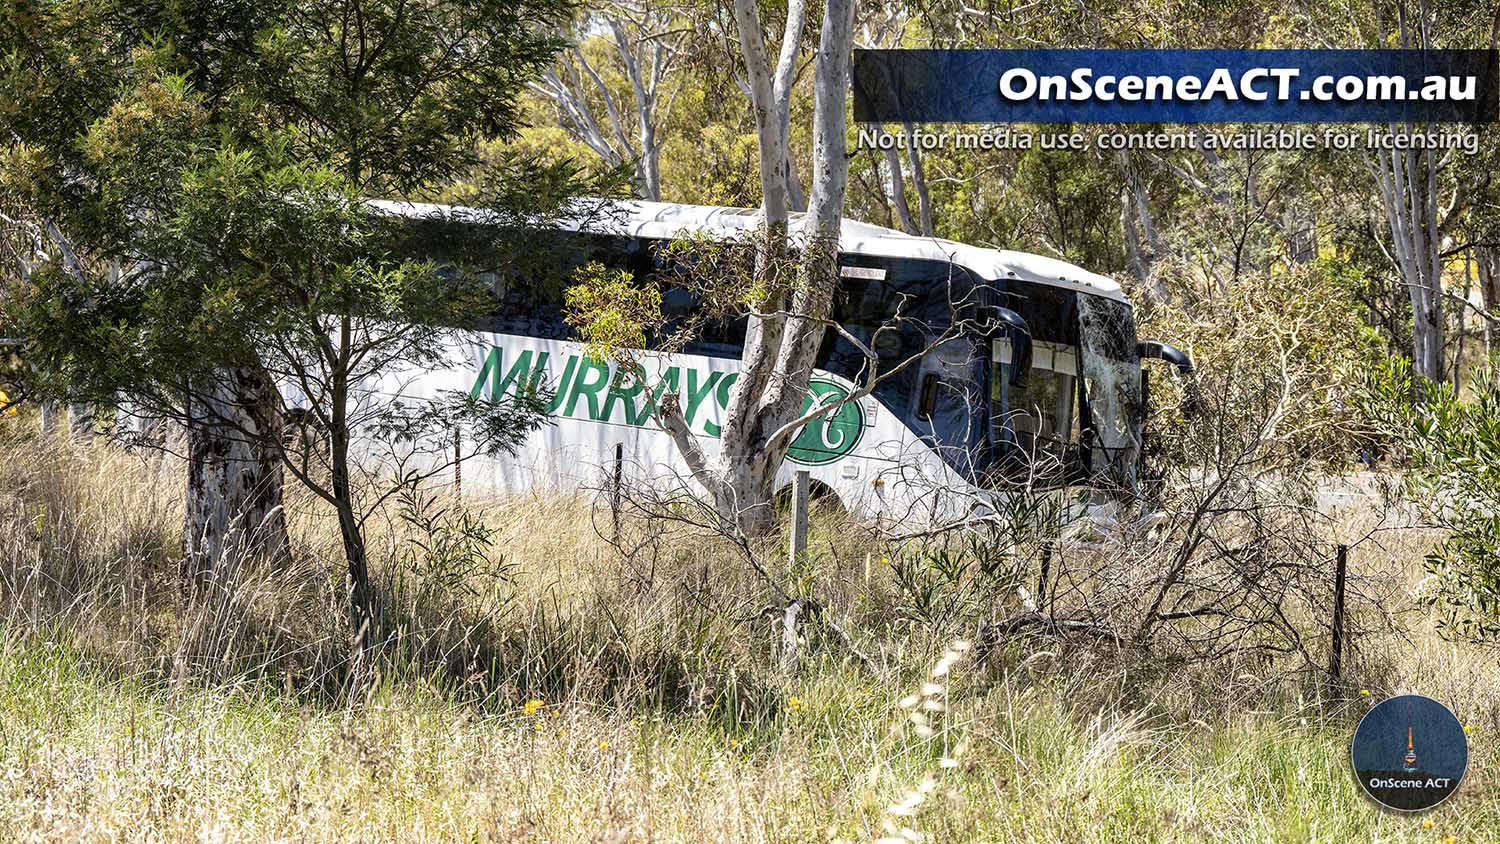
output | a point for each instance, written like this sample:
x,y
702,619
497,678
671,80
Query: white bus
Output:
x,y
1022,358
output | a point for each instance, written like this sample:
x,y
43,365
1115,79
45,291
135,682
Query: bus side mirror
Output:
x,y
1155,350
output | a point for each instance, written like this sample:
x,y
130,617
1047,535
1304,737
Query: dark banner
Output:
x,y
1175,86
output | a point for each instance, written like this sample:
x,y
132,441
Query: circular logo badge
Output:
x,y
831,436
1409,753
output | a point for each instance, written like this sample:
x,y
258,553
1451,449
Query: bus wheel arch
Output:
x,y
821,496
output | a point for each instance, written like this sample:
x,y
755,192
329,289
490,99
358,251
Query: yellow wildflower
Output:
x,y
532,706
1470,728
1427,824
603,745
1364,692
794,704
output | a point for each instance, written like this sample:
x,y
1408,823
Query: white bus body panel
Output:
x,y
878,468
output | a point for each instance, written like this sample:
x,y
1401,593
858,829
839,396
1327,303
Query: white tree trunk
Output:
x,y
782,342
1488,260
234,474
919,183
52,416
1408,182
645,49
1408,191
895,188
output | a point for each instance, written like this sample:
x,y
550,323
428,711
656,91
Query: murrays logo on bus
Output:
x,y
601,391
832,436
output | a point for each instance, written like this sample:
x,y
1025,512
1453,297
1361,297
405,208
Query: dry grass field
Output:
x,y
543,686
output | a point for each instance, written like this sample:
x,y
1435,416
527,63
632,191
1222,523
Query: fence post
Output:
x,y
1336,652
1041,577
616,490
458,463
797,541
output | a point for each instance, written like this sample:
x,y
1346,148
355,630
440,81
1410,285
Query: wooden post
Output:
x,y
1336,651
1041,578
616,489
458,462
797,539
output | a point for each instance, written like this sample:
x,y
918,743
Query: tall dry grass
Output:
x,y
549,686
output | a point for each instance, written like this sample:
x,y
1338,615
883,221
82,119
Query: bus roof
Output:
x,y
666,220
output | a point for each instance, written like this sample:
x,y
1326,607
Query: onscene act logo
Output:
x,y
1409,753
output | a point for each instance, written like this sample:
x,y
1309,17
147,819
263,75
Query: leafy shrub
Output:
x,y
1453,446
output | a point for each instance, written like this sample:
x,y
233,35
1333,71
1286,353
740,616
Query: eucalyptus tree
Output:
x,y
794,298
641,43
196,177
789,297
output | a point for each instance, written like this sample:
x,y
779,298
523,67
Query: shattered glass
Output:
x,y
1111,368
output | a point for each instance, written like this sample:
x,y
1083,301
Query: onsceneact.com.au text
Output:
x,y
1255,84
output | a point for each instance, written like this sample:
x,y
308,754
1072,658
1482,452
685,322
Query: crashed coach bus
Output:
x,y
1020,361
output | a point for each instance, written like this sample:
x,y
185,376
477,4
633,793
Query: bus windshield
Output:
x,y
1065,398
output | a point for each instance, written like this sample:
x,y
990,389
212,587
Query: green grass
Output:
x,y
128,712
87,754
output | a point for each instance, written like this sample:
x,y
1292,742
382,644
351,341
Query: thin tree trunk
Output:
x,y
1487,259
758,455
782,340
919,182
234,474
896,189
362,610
1407,188
51,418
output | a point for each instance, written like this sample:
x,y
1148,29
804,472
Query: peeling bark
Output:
x,y
234,474
782,341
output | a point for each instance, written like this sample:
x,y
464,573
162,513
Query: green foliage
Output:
x,y
1453,444
450,557
193,179
613,314
1276,349
192,214
954,582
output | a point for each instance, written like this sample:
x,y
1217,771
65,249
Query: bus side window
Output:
x,y
928,402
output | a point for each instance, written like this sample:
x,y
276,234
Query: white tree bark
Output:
x,y
1143,243
895,189
81,422
52,415
1409,182
919,183
645,55
1487,261
765,405
234,480
1408,193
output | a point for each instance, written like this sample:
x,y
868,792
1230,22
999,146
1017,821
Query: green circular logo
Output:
x,y
835,434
